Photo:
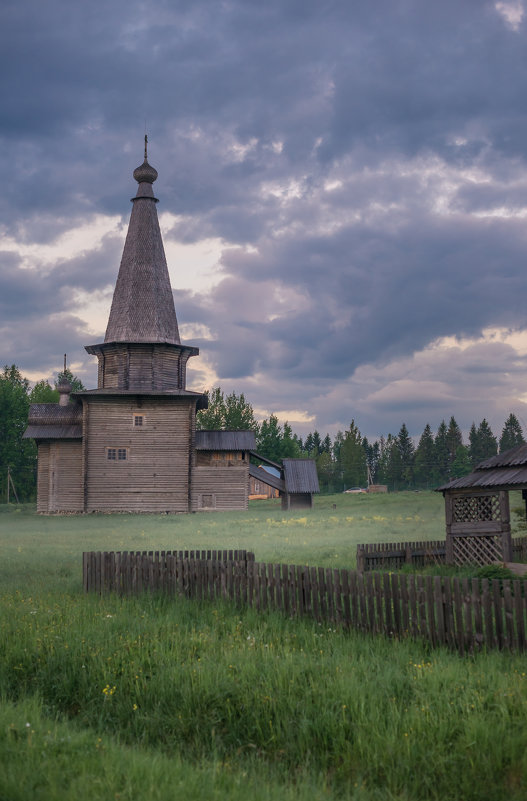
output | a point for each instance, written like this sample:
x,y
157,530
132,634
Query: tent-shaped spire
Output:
x,y
143,304
142,351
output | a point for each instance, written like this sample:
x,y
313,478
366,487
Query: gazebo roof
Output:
x,y
505,471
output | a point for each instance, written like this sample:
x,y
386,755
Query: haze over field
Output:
x,y
343,197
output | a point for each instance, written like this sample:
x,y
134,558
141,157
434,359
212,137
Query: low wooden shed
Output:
x,y
221,469
300,483
478,529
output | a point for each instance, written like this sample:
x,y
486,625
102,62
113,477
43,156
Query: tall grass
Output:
x,y
157,698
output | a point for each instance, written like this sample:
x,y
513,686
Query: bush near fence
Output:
x,y
464,614
393,555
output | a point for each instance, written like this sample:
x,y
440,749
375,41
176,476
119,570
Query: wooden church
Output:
x,y
131,445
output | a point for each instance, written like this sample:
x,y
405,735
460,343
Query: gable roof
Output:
x,y
300,475
225,440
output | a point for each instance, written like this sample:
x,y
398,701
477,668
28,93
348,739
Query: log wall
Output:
x,y
142,367
59,481
220,487
156,473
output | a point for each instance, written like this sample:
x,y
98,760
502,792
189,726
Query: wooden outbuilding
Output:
x,y
300,483
221,469
478,529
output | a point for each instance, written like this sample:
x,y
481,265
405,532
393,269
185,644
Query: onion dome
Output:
x,y
64,388
145,173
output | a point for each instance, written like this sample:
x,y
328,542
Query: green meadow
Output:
x,y
108,698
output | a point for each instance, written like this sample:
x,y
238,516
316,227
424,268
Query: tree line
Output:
x,y
347,460
350,459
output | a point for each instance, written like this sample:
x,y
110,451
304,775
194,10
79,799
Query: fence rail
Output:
x,y
464,614
393,555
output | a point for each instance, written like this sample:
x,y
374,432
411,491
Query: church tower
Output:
x,y
139,424
131,444
142,349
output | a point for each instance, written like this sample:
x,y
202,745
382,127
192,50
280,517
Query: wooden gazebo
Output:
x,y
478,529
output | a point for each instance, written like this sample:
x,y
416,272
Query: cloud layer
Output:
x,y
361,170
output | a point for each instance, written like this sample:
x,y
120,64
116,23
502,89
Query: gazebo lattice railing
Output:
x,y
478,527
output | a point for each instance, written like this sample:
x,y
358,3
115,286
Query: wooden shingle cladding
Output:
x,y
155,475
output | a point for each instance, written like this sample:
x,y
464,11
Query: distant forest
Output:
x,y
348,460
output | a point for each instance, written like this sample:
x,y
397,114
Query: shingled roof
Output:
x,y
143,305
300,475
51,421
507,470
225,440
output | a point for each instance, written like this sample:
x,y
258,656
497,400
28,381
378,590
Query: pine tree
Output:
x,y
442,455
483,443
308,444
424,462
511,434
317,443
353,458
326,444
394,464
407,452
454,439
461,465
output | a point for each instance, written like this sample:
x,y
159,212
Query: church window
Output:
x,y
117,454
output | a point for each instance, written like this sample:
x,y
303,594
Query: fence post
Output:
x,y
360,559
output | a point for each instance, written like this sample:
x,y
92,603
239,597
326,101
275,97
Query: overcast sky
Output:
x,y
343,196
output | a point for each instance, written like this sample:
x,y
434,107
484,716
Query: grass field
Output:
x,y
145,698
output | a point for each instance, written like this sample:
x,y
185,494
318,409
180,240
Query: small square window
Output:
x,y
111,454
121,454
138,420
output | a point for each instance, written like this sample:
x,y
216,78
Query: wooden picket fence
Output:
x,y
464,614
393,555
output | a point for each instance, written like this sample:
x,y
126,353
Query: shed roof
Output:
x,y
52,432
225,440
265,477
300,475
